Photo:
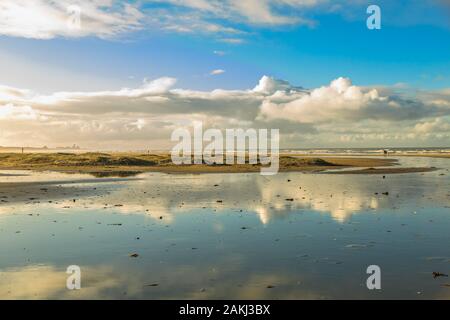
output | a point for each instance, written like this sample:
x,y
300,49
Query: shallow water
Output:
x,y
233,236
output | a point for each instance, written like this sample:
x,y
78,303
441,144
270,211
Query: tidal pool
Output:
x,y
226,236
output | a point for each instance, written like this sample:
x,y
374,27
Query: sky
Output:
x,y
122,75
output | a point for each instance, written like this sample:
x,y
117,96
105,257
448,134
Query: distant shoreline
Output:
x,y
375,151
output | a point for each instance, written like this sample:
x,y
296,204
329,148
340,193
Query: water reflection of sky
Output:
x,y
228,235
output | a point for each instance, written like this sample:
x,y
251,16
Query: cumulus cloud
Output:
x,y
342,101
339,113
270,85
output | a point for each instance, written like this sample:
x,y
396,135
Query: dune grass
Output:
x,y
102,162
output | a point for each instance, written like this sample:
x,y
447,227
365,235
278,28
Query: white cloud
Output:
x,y
203,5
232,40
217,72
46,19
194,22
270,85
7,92
258,12
438,125
342,101
12,112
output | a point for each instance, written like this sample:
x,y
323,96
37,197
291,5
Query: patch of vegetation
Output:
x,y
105,162
75,160
296,162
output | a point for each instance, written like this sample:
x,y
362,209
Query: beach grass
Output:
x,y
136,162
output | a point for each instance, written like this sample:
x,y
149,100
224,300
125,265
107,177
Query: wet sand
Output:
x,y
384,170
35,192
219,236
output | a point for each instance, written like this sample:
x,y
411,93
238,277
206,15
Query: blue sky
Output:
x,y
205,61
410,48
